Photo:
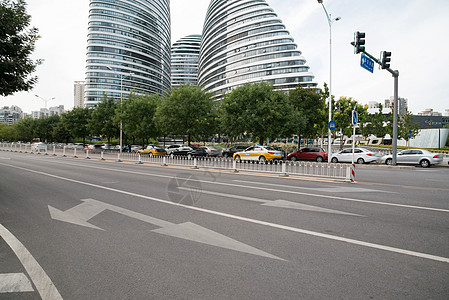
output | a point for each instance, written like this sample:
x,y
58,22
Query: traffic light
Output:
x,y
386,58
359,42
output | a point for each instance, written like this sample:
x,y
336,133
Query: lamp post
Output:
x,y
45,100
330,21
122,76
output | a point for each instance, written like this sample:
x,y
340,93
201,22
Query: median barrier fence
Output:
x,y
282,168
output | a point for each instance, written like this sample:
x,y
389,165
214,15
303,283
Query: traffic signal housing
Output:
x,y
359,42
386,58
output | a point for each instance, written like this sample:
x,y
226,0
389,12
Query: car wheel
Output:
x,y
293,158
237,158
262,159
150,155
360,161
388,161
424,163
319,159
172,155
334,160
225,155
189,156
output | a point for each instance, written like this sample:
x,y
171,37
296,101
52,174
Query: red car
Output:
x,y
311,153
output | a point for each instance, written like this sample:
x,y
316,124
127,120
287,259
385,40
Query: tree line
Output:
x,y
252,111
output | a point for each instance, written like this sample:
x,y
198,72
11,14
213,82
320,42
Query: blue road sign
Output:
x,y
410,134
332,125
354,117
367,63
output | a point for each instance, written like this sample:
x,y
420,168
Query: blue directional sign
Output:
x,y
354,117
332,125
367,63
410,134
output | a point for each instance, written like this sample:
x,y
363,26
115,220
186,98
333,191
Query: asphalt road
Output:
x,y
88,229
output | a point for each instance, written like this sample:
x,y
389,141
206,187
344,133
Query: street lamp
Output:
x,y
330,21
121,103
45,100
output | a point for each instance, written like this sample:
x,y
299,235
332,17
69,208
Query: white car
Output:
x,y
173,148
420,157
361,156
38,147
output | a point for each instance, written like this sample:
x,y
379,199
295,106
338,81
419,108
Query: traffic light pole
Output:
x,y
395,74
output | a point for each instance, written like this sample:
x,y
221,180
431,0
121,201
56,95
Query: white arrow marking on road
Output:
x,y
15,283
279,203
83,212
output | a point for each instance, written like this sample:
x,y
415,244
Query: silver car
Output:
x,y
420,157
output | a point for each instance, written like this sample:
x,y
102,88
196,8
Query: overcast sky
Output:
x,y
415,31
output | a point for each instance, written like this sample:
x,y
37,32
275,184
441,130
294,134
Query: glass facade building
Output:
x,y
185,54
128,48
243,42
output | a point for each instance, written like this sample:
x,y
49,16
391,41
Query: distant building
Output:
x,y
403,105
185,54
48,112
10,114
246,42
128,49
446,113
78,93
430,113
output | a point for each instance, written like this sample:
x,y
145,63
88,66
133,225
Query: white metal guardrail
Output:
x,y
282,168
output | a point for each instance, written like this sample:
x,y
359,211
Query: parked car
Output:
x,y
135,148
229,152
361,156
311,153
152,150
38,147
258,153
420,157
173,147
188,151
211,151
79,146
95,147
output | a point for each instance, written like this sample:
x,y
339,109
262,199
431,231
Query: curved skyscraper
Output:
x,y
244,41
128,48
185,54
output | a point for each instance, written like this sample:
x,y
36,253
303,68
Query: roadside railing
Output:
x,y
282,168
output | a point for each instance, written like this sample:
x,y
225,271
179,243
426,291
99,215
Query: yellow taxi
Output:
x,y
258,153
152,151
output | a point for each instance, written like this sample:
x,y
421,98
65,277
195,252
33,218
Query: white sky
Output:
x,y
413,30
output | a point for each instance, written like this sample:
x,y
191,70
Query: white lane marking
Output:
x,y
275,190
273,225
41,281
15,283
277,203
344,189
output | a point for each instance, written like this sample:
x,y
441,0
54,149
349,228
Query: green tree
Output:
x,y
186,111
405,124
44,128
17,42
138,117
103,121
25,129
374,124
76,122
309,108
343,108
258,111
